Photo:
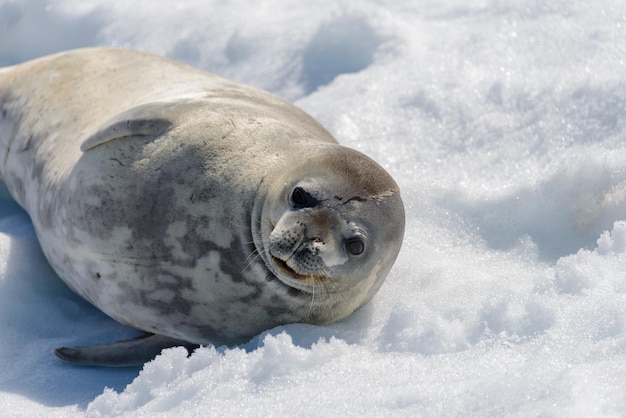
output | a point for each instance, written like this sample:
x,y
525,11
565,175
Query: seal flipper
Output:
x,y
126,353
151,119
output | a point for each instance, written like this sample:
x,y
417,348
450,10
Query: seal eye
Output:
x,y
355,246
300,198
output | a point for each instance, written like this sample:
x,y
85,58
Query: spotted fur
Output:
x,y
160,193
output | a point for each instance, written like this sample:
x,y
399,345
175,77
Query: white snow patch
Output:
x,y
503,123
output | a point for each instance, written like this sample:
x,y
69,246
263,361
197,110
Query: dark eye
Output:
x,y
300,198
355,246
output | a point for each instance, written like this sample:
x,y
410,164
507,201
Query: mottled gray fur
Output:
x,y
154,189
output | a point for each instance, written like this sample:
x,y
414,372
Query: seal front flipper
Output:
x,y
126,353
150,119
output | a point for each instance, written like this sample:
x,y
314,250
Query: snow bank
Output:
x,y
503,123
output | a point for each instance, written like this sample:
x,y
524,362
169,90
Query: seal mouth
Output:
x,y
284,268
293,279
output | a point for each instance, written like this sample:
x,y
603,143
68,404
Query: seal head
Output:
x,y
330,229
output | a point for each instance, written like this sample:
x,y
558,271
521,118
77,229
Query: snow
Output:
x,y
502,121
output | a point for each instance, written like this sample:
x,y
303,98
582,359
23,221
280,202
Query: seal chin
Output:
x,y
289,277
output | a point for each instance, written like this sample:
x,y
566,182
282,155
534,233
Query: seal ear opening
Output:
x,y
151,119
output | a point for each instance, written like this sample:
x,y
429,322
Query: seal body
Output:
x,y
187,205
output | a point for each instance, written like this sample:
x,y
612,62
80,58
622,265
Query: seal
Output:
x,y
185,205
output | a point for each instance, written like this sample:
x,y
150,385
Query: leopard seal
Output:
x,y
185,205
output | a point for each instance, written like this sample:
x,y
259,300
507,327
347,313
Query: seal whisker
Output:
x,y
250,260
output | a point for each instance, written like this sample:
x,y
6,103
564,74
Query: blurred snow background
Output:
x,y
503,121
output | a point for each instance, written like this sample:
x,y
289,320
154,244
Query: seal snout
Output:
x,y
298,258
297,251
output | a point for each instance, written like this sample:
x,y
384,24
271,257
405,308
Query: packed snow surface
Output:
x,y
504,123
